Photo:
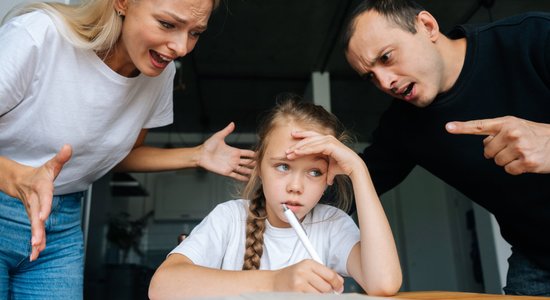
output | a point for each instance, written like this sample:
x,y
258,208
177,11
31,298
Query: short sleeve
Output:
x,y
208,241
163,113
19,56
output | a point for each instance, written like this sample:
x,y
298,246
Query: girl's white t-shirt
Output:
x,y
52,94
219,240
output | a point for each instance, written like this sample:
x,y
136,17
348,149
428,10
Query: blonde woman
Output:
x,y
79,88
247,245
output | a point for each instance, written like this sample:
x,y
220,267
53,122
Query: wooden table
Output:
x,y
438,295
428,295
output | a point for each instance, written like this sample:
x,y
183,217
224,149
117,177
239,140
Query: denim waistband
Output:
x,y
68,204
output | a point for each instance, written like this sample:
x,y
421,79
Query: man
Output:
x,y
494,77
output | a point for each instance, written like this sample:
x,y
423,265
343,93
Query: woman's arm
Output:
x,y
213,155
179,278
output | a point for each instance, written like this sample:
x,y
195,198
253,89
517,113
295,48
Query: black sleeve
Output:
x,y
547,59
387,167
387,162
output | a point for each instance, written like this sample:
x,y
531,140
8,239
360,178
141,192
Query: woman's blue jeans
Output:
x,y
58,271
525,277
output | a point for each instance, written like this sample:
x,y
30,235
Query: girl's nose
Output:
x,y
295,185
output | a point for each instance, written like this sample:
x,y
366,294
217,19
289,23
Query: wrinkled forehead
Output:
x,y
372,34
187,10
372,26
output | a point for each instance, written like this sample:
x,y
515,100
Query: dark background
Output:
x,y
255,49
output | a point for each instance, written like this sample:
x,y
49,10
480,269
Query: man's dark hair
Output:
x,y
401,12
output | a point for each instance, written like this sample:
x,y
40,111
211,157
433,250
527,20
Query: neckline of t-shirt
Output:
x,y
286,231
102,67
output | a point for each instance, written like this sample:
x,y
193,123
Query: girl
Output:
x,y
300,152
89,79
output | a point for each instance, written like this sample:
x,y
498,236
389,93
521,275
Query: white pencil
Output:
x,y
291,217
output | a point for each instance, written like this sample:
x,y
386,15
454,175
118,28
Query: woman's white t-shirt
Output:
x,y
52,94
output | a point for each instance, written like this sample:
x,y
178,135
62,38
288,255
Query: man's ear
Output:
x,y
428,24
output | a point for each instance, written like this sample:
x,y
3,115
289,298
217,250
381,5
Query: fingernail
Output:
x,y
450,126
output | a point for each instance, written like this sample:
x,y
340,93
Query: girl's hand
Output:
x,y
308,276
34,187
343,160
218,157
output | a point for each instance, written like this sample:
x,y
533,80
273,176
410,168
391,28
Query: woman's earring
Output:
x,y
119,12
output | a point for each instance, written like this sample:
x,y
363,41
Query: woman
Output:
x,y
88,80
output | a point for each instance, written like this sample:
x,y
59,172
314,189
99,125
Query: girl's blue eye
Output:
x,y
316,173
282,167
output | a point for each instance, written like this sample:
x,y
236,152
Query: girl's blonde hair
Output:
x,y
92,24
289,109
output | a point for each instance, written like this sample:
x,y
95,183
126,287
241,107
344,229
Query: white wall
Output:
x,y
6,6
432,235
494,251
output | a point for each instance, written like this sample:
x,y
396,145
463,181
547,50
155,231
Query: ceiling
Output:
x,y
255,49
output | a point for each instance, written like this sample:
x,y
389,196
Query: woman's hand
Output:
x,y
308,276
34,187
343,160
218,157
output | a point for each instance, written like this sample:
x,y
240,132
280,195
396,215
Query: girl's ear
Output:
x,y
428,24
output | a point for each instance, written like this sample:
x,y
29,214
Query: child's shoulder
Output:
x,y
232,206
325,212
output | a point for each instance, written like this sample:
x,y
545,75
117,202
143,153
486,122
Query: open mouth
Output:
x,y
158,60
408,90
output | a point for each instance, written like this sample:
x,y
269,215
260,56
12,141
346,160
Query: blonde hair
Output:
x,y
289,109
92,24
